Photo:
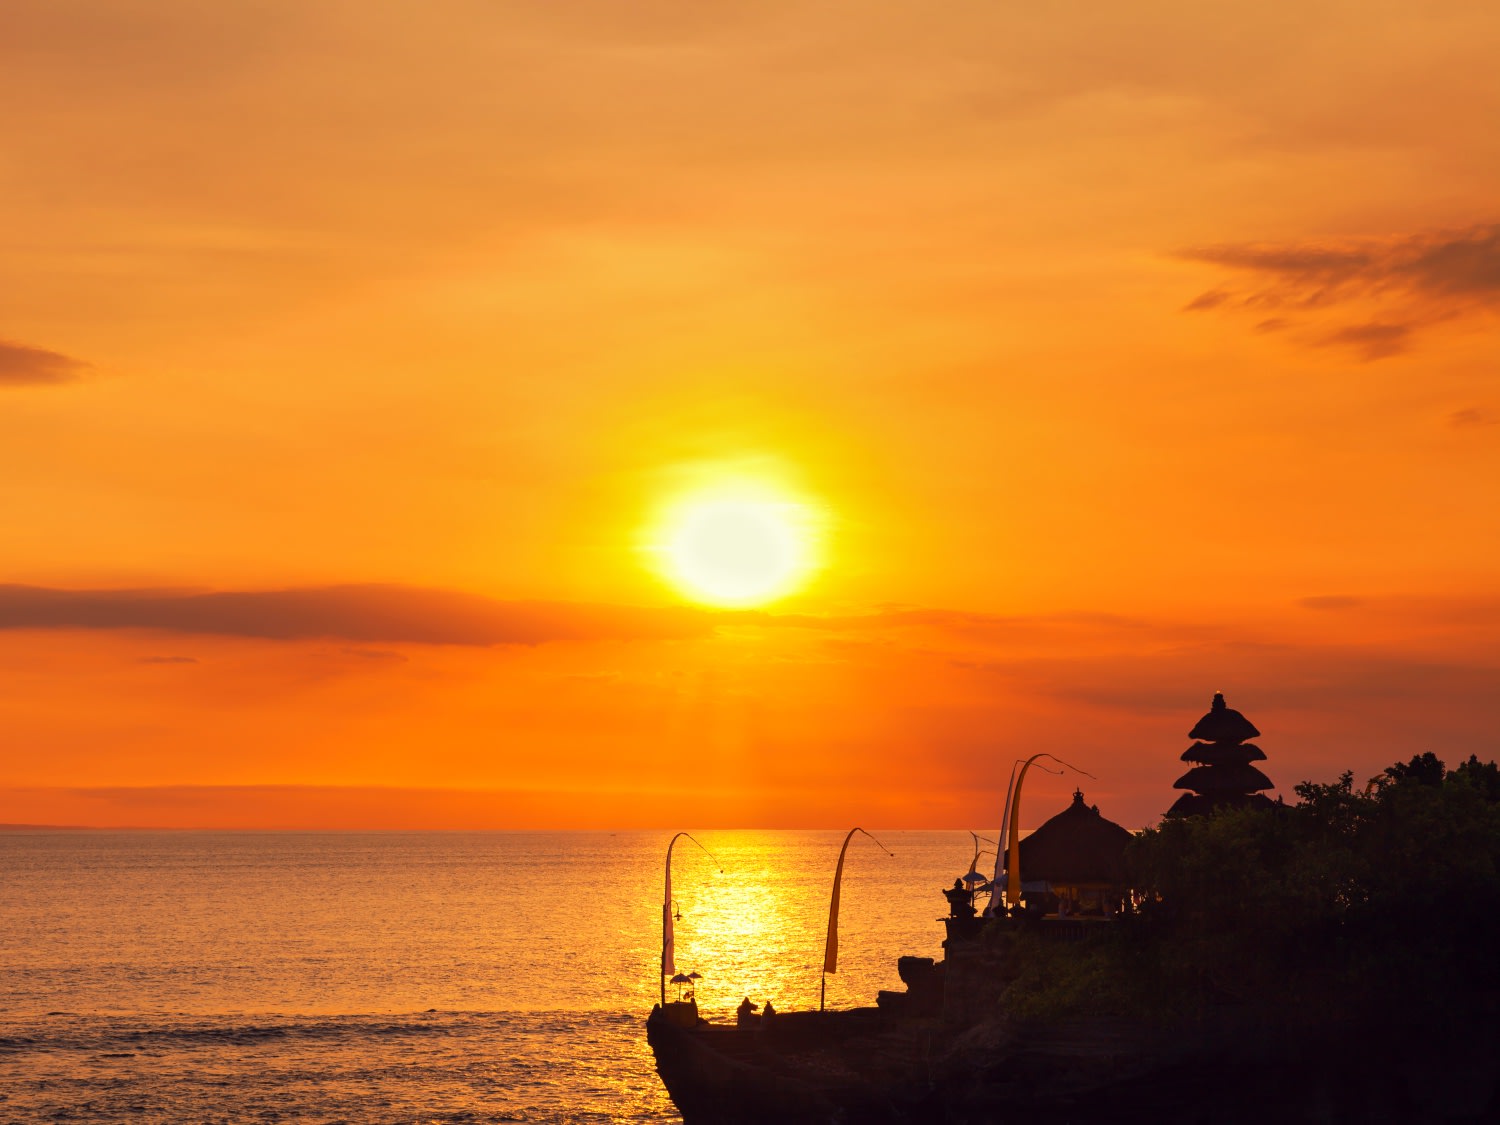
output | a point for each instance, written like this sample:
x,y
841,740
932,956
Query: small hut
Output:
x,y
1082,855
1222,776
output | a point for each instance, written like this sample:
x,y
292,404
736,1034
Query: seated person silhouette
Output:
x,y
745,1014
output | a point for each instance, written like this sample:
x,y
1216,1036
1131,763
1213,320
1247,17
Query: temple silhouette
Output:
x,y
1082,856
1223,776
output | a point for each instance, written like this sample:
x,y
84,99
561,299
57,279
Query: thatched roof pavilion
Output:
x,y
1223,776
1077,849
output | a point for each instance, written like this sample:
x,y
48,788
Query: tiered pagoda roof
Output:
x,y
1223,776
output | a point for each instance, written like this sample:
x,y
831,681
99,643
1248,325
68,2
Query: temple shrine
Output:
x,y
1081,857
1223,776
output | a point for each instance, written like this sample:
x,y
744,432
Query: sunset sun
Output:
x,y
736,546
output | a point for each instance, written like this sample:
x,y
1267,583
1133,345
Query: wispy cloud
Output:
x,y
1472,416
1331,601
1371,341
1329,680
1409,281
22,366
366,614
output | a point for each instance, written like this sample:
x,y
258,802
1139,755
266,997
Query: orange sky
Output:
x,y
1133,353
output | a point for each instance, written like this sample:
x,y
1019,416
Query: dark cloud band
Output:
x,y
1412,280
21,366
364,614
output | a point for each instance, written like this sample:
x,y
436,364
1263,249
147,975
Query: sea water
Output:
x,y
415,977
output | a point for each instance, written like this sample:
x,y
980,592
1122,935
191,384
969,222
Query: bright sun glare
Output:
x,y
737,546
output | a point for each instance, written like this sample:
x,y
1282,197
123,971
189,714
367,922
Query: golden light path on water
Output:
x,y
758,929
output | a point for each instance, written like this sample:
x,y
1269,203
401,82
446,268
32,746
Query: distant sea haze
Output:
x,y
392,977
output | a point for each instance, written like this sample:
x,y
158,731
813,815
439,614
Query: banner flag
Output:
x,y
831,950
668,934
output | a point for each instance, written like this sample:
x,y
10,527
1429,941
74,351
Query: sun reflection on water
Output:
x,y
759,928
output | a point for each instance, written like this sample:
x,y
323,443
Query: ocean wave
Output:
x,y
559,1067
98,1033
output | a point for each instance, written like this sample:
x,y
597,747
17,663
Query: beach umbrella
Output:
x,y
974,881
679,980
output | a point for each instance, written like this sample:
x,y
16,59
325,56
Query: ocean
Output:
x,y
415,977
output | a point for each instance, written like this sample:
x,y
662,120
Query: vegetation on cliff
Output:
x,y
1350,904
